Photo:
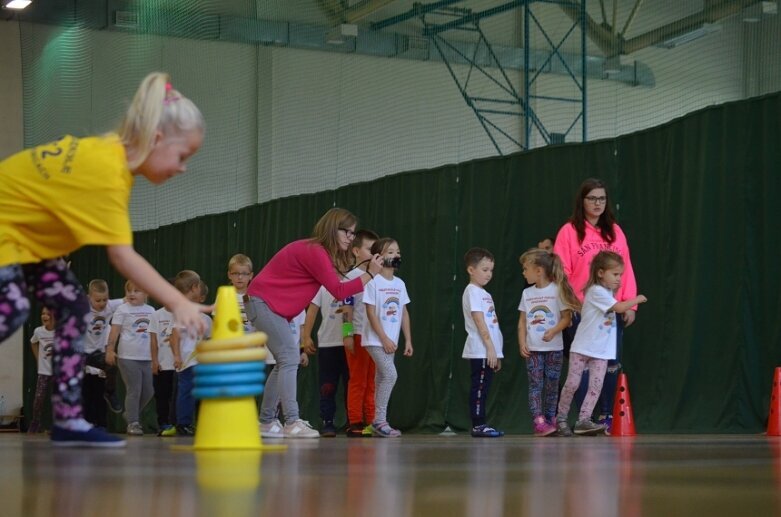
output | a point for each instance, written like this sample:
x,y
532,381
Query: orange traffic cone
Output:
x,y
774,418
623,419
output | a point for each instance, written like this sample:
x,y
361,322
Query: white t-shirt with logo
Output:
x,y
329,334
163,325
188,341
45,341
388,297
134,321
596,334
477,299
359,309
99,325
543,312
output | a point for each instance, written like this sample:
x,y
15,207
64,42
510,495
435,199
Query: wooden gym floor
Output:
x,y
426,475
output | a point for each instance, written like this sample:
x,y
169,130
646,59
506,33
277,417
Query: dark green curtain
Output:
x,y
697,198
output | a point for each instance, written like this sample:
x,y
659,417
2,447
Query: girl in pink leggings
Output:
x,y
595,341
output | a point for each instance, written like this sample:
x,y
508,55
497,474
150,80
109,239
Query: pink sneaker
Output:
x,y
543,428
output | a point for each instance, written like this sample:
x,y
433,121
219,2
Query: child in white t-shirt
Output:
x,y
183,346
385,298
484,341
595,340
163,371
332,363
99,387
42,344
360,386
545,311
128,347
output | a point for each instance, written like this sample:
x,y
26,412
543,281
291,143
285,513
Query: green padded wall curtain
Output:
x,y
697,198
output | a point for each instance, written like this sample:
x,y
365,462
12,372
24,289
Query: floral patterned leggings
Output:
x,y
58,289
596,370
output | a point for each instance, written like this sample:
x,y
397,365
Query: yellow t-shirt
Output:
x,y
58,197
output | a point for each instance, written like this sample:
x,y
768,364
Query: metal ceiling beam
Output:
x,y
612,44
418,9
714,12
363,9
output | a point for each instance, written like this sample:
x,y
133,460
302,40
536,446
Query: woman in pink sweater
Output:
x,y
282,289
591,229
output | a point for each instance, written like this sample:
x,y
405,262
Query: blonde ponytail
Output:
x,y
156,107
566,292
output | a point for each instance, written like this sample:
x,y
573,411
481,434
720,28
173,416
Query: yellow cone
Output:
x,y
230,423
227,317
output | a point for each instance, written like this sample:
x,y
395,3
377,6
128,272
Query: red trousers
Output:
x,y
360,387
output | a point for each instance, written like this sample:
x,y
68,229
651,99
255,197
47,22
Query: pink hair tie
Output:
x,y
169,95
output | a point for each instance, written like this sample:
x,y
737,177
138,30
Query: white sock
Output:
x,y
74,424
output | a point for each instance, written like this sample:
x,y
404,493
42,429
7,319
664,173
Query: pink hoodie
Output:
x,y
576,257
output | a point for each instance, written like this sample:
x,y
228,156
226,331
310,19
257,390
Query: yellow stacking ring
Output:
x,y
246,341
232,356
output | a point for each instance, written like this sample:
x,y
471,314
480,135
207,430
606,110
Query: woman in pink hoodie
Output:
x,y
591,229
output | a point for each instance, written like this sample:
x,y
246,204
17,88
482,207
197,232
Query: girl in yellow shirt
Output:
x,y
60,196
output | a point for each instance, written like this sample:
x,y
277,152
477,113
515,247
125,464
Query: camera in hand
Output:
x,y
394,262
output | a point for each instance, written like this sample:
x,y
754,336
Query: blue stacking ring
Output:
x,y
230,379
223,368
221,392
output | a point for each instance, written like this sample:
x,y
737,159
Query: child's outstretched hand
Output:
x,y
188,316
641,299
548,335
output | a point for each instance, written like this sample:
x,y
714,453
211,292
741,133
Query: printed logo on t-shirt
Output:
x,y
390,310
334,305
97,325
608,323
490,317
48,349
141,326
540,319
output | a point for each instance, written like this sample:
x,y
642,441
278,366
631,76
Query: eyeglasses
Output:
x,y
350,234
236,273
601,200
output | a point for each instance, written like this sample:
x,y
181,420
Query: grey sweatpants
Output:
x,y
281,384
137,376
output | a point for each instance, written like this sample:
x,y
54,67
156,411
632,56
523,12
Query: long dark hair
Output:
x,y
606,219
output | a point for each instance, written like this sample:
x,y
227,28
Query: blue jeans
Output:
x,y
185,402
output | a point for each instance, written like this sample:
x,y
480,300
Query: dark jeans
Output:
x,y
97,359
482,376
333,366
164,393
92,389
185,402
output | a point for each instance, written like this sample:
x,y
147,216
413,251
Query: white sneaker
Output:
x,y
135,429
300,429
271,430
